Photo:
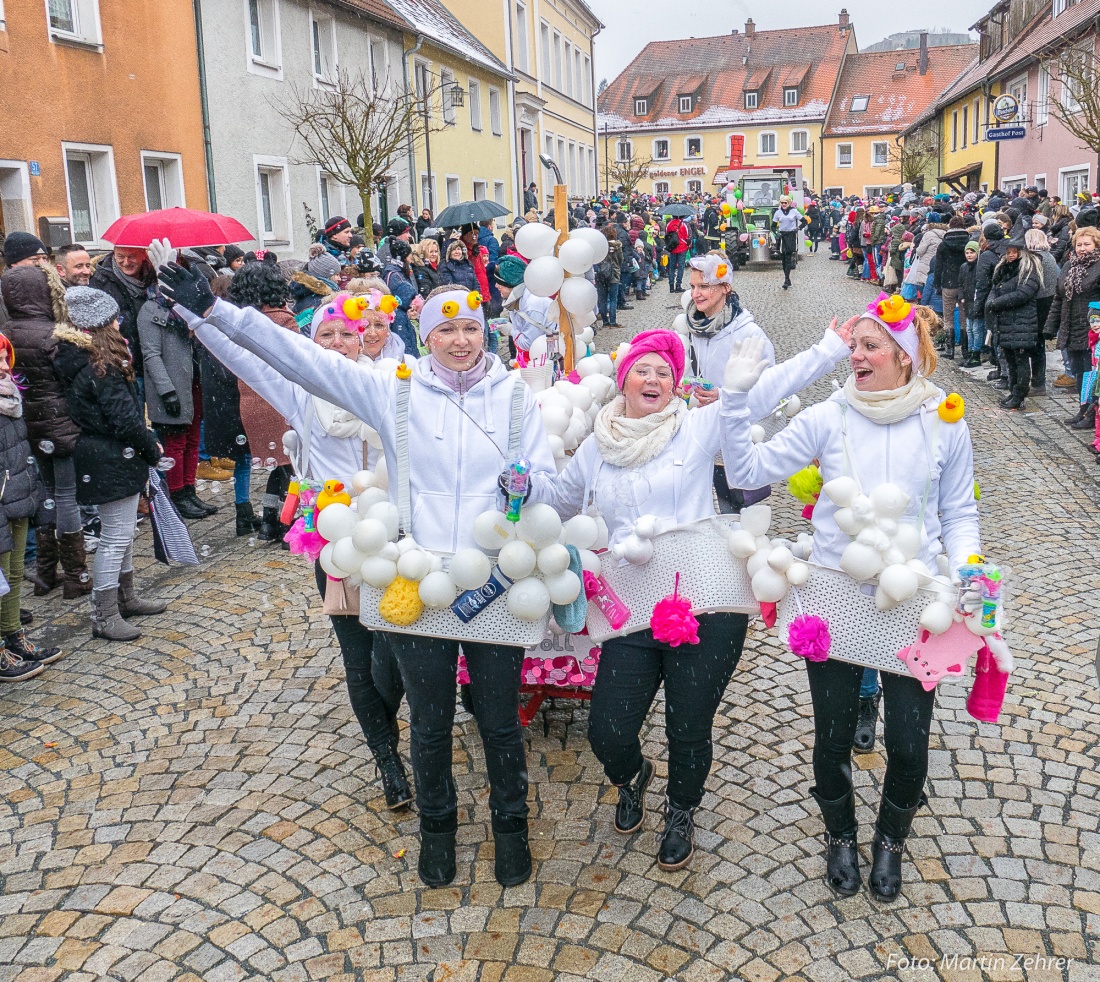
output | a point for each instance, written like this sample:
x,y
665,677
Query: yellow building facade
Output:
x,y
863,165
967,159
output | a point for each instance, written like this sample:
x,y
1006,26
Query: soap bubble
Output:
x,y
30,460
252,541
270,462
87,478
256,462
241,439
271,446
48,503
166,464
128,453
205,550
85,576
46,446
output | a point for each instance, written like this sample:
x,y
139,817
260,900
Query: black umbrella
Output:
x,y
469,213
677,210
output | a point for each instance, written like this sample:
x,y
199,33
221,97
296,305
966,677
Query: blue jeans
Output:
x,y
624,290
975,334
869,684
242,478
607,301
676,261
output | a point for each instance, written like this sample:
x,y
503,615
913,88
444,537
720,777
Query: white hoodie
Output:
x,y
711,354
883,452
457,444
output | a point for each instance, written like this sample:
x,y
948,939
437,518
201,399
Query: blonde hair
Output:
x,y
1036,240
1086,232
364,284
421,248
926,322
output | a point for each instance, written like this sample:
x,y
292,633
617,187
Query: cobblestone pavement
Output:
x,y
201,805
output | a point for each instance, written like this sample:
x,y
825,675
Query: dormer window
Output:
x,y
641,107
686,103
790,96
752,100
859,103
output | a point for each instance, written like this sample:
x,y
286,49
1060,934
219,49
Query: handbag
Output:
x,y
341,599
890,278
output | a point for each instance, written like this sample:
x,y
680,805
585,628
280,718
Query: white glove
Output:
x,y
746,364
160,253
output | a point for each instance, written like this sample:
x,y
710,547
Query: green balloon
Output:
x,y
737,194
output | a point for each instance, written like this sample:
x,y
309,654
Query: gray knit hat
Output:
x,y
89,308
324,266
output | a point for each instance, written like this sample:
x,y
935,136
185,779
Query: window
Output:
x,y
494,111
263,38
790,97
768,144
93,194
1042,100
641,107
976,117
661,187
624,150
686,103
752,100
446,83
480,190
572,170
379,70
475,104
578,76
694,187
1077,66
965,129
421,74
427,191
1073,180
871,191
73,20
163,176
1060,6
323,31
557,62
520,40
273,199
693,147
660,150
800,141
844,155
1041,181
454,190
859,103
544,42
955,130
1014,183
591,166
328,190
567,59
587,80
880,153
1018,88
498,192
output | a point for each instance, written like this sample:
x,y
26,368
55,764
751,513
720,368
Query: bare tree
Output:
x,y
911,158
628,174
1076,68
355,132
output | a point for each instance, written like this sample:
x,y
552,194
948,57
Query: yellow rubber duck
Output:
x,y
333,493
952,408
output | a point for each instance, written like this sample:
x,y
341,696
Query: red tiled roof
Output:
x,y
375,9
756,79
664,69
894,98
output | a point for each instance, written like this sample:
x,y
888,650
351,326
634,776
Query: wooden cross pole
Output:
x,y
561,223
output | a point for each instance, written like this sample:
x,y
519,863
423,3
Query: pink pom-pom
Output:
x,y
808,636
304,542
672,620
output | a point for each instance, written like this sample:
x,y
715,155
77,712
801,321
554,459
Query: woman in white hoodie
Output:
x,y
882,426
460,400
649,455
333,444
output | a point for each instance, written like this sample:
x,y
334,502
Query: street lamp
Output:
x,y
458,95
548,161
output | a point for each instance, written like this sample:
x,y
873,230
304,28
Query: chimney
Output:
x,y
845,21
750,28
923,63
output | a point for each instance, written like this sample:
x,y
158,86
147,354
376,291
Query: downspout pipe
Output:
x,y
204,103
414,188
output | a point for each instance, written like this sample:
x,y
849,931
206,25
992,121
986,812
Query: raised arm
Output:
x,y
957,507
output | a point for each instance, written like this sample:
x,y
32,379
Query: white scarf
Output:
x,y
339,422
11,399
626,442
891,405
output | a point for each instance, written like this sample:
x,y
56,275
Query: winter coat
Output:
x,y
609,272
897,257
307,291
1069,318
264,425
489,243
427,277
460,273
895,453
169,362
1051,272
1010,309
36,304
949,255
1059,237
878,230
987,262
222,427
18,493
115,449
707,356
393,275
454,464
637,224
925,253
677,225
968,281
130,299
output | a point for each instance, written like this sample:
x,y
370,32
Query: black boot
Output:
x,y
437,850
186,507
842,859
886,849
47,557
247,521
1014,401
677,841
22,647
1088,421
395,783
630,812
208,508
513,854
1069,421
863,742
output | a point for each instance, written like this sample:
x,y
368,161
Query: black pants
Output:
x,y
1019,370
730,500
695,677
907,717
373,679
428,667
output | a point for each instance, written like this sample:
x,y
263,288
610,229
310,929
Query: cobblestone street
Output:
x,y
201,804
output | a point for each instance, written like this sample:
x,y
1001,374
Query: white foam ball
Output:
x,y
346,556
577,295
492,530
555,420
680,324
590,562
637,551
528,599
327,564
581,531
595,240
390,551
883,600
860,561
874,538
336,521
586,336
798,574
381,474
907,540
369,536
685,299
780,559
378,572
756,562
575,255
553,559
557,445
937,617
898,582
588,366
386,512
543,276
742,543
768,586
889,501
846,521
370,498
564,588
516,560
538,524
414,565
893,557
435,563
407,544
470,568
924,574
437,590
646,526
534,240
863,510
362,480
791,406
756,519
840,491
581,397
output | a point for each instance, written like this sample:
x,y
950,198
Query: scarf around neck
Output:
x,y
1075,274
707,327
626,442
337,422
11,399
461,382
890,405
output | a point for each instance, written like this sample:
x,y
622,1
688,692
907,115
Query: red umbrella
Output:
x,y
183,227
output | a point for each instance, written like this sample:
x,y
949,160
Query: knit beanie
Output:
x,y
323,266
661,342
972,246
22,245
90,309
336,224
510,271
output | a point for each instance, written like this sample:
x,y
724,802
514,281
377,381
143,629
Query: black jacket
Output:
x,y
1059,239
115,449
950,253
36,303
107,278
1069,319
427,278
968,282
1011,312
987,262
20,483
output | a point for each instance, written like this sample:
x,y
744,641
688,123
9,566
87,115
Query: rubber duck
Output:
x,y
952,408
333,493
